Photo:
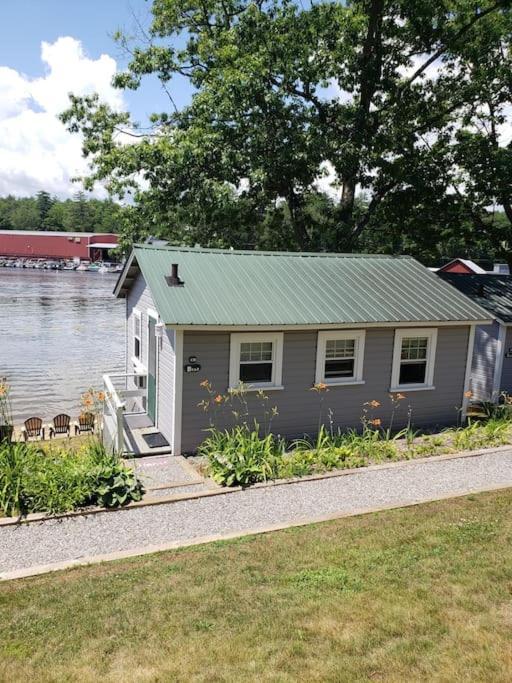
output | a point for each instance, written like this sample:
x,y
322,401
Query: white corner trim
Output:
x,y
322,338
404,333
177,392
277,339
151,313
467,376
498,365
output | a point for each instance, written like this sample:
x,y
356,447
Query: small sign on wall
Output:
x,y
508,352
192,367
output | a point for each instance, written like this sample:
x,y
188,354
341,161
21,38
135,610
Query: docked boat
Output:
x,y
93,267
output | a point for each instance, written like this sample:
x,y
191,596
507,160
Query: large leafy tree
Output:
x,y
374,89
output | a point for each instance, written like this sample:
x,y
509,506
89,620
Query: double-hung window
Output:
x,y
137,335
340,356
413,359
256,360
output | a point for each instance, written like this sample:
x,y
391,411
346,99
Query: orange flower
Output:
x,y
468,394
204,383
88,401
376,423
374,404
400,397
101,396
218,399
319,386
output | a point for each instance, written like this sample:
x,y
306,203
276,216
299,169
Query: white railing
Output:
x,y
117,406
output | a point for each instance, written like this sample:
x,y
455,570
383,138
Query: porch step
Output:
x,y
176,489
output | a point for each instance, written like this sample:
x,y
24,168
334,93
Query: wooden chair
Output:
x,y
33,428
60,425
85,423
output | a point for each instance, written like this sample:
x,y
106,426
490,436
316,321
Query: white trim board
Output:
x,y
467,376
323,337
498,365
236,339
400,335
326,326
177,401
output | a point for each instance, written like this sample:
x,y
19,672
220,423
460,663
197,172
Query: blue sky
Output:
x,y
25,23
47,49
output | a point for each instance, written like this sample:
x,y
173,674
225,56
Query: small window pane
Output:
x,y
255,351
413,373
136,348
414,348
340,348
256,372
339,368
136,323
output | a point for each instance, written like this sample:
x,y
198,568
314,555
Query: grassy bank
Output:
x,y
417,594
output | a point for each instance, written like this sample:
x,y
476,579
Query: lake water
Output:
x,y
59,332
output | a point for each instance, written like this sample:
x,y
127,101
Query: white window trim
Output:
x,y
357,377
400,334
137,360
277,361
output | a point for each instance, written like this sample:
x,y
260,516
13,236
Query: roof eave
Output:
x,y
125,281
251,327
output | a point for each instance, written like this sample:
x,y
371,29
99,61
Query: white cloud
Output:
x,y
36,151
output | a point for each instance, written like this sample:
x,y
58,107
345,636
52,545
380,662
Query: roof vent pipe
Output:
x,y
173,280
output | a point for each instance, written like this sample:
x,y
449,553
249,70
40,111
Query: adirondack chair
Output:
x,y
85,423
33,428
60,425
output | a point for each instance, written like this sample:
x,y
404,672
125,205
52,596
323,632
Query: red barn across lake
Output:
x,y
91,246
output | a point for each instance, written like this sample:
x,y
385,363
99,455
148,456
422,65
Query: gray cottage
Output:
x,y
491,373
365,326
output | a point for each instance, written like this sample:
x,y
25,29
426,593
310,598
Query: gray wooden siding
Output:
x,y
299,408
139,297
484,361
506,374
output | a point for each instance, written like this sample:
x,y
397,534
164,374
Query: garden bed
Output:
x,y
57,478
241,457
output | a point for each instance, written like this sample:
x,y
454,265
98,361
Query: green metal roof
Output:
x,y
492,292
251,288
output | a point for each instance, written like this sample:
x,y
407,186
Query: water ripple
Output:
x,y
59,332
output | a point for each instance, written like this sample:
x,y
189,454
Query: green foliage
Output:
x,y
35,480
280,90
43,212
240,456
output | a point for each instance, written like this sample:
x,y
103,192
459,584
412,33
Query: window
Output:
x,y
413,359
137,326
256,360
339,358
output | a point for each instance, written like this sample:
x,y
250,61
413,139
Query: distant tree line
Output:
x,y
44,212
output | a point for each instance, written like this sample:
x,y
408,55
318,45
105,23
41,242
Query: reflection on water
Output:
x,y
59,332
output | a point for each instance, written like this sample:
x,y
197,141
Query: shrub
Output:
x,y
33,480
239,456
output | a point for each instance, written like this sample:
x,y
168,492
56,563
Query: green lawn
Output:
x,y
419,594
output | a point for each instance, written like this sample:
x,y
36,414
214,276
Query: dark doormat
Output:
x,y
155,440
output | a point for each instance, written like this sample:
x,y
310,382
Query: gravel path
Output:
x,y
52,541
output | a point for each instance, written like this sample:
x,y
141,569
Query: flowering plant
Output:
x,y
5,404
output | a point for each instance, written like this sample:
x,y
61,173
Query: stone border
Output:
x,y
174,545
222,491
